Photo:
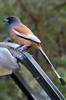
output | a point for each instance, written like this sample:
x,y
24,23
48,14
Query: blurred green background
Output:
x,y
47,19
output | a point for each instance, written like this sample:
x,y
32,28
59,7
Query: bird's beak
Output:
x,y
5,20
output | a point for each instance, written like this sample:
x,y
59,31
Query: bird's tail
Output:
x,y
49,62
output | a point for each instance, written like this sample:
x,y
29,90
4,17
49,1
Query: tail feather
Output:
x,y
49,62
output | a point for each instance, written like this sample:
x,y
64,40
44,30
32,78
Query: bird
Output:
x,y
23,35
8,63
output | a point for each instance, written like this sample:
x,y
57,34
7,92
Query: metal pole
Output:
x,y
23,85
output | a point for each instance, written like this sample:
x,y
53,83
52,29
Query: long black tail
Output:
x,y
49,62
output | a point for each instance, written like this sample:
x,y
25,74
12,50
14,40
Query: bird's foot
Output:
x,y
22,48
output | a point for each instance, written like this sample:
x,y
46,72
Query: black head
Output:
x,y
12,19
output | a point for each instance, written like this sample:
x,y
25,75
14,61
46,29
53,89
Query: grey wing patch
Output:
x,y
28,37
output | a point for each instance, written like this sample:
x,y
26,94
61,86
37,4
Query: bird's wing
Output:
x,y
26,33
31,37
23,29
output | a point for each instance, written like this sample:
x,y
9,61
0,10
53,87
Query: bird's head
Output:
x,y
12,19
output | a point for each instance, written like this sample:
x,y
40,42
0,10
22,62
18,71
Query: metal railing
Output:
x,y
39,75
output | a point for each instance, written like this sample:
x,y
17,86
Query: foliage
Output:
x,y
47,19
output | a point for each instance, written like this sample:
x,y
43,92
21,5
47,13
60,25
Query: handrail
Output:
x,y
41,77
